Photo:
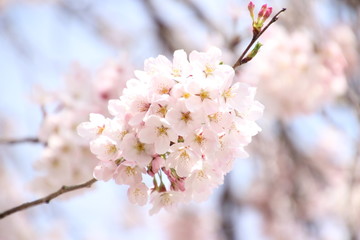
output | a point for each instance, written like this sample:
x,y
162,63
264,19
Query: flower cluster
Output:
x,y
66,158
182,123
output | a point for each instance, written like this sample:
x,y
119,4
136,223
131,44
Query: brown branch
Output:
x,y
228,206
162,30
101,28
256,37
8,30
47,199
21,140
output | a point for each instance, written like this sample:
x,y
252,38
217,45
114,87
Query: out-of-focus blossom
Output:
x,y
345,38
66,158
20,226
192,224
293,76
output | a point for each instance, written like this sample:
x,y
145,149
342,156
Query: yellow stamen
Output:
x,y
111,149
162,110
162,130
164,90
184,155
100,130
199,139
228,94
186,117
214,117
186,95
176,72
139,147
203,95
130,171
208,70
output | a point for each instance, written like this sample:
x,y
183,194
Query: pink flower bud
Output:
x,y
251,7
155,165
262,11
268,12
178,184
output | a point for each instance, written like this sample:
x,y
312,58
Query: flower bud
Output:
x,y
263,14
262,11
251,7
267,13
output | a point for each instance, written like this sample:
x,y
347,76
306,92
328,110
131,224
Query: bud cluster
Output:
x,y
263,14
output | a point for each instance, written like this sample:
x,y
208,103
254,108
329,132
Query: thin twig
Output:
x,y
256,37
47,199
21,140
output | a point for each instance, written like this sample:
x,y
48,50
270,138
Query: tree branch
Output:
x,y
47,199
21,140
256,37
162,30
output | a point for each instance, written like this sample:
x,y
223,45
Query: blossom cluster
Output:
x,y
181,123
299,79
66,158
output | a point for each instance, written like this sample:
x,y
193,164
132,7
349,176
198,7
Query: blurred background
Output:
x,y
62,59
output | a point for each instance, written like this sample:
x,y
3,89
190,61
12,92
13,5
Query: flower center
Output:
x,y
100,130
208,70
203,95
130,171
186,117
162,130
227,94
111,149
162,110
139,147
123,133
199,139
176,72
186,95
184,155
144,106
214,117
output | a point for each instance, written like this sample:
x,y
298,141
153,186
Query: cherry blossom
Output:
x,y
181,122
302,68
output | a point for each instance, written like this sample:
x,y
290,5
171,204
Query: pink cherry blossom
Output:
x,y
128,174
159,132
104,170
182,123
136,151
138,194
104,148
182,120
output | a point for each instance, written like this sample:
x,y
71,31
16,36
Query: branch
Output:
x,y
162,30
21,140
256,37
47,199
101,28
230,42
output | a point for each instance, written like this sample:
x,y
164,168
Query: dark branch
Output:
x,y
47,199
255,38
21,140
162,30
